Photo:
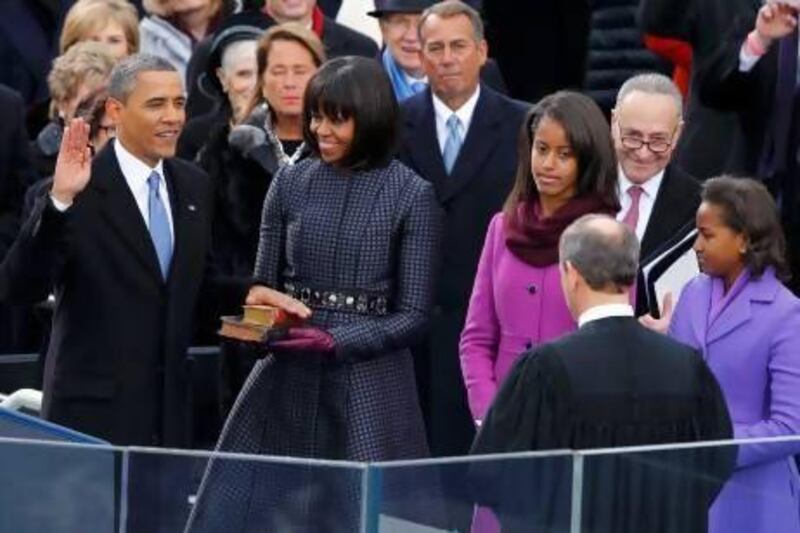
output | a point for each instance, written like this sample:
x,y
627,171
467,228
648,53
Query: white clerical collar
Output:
x,y
464,113
650,186
604,311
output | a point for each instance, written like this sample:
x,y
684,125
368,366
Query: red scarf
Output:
x,y
534,239
317,21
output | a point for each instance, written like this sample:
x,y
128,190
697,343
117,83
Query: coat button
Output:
x,y
528,345
532,288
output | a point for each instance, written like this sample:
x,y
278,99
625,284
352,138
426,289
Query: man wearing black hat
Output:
x,y
401,54
339,41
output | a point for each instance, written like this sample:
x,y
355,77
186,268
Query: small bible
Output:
x,y
259,323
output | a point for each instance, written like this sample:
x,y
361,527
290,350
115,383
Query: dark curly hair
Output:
x,y
748,209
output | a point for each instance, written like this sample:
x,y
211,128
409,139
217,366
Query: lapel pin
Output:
x,y
191,207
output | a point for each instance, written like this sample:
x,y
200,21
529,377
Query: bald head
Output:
x,y
603,251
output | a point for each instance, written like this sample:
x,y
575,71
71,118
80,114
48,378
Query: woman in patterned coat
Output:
x,y
349,240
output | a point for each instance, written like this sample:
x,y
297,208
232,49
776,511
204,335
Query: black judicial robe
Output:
x,y
612,383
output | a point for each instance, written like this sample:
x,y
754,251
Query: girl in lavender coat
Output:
x,y
567,168
747,326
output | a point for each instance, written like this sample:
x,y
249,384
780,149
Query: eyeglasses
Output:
x,y
657,146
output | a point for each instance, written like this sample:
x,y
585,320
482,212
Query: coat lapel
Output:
x,y
478,145
424,145
735,315
739,311
665,217
119,209
185,210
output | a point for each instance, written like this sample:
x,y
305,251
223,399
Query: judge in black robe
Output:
x,y
611,383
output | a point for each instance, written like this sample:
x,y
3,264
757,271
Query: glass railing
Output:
x,y
66,487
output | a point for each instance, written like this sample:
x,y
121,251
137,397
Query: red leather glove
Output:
x,y
305,339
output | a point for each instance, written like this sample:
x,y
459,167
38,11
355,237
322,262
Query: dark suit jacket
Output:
x,y
675,207
16,172
712,141
481,180
116,364
750,95
611,383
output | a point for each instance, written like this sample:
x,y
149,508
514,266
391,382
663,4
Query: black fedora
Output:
x,y
384,7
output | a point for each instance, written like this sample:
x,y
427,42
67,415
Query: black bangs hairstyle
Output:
x,y
589,136
357,88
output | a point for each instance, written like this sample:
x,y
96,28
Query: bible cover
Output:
x,y
259,323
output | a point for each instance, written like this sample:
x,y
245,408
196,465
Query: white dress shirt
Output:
x,y
411,79
136,173
604,311
646,200
464,114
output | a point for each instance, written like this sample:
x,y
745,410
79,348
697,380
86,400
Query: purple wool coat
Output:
x,y
514,307
753,349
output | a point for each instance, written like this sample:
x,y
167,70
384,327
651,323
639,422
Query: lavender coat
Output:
x,y
514,307
753,348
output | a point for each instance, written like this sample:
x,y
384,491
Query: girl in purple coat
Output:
x,y
747,326
567,168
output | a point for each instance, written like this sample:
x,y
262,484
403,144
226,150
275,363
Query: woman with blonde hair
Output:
x,y
114,23
76,75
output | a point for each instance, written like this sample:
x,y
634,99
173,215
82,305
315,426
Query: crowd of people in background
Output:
x,y
453,199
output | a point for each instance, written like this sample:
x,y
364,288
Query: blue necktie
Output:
x,y
452,145
418,86
158,224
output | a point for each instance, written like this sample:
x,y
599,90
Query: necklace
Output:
x,y
277,145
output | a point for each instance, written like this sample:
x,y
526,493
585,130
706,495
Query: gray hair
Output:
x,y
604,251
651,83
453,8
123,77
235,50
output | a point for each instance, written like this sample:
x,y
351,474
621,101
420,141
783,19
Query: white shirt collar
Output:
x,y
650,186
464,113
134,169
411,79
604,311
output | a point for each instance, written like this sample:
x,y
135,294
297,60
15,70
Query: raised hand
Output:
x,y
776,19
260,295
660,325
74,163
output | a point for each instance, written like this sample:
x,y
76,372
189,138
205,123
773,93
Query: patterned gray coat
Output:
x,y
374,232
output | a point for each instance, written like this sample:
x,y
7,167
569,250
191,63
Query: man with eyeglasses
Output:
x,y
657,198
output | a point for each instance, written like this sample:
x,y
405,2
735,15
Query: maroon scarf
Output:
x,y
534,239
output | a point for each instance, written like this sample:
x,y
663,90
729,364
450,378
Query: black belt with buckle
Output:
x,y
362,302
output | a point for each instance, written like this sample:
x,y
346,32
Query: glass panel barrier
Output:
x,y
166,490
473,493
62,487
749,486
58,487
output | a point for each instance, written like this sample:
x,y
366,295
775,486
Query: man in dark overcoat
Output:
x,y
461,136
121,240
